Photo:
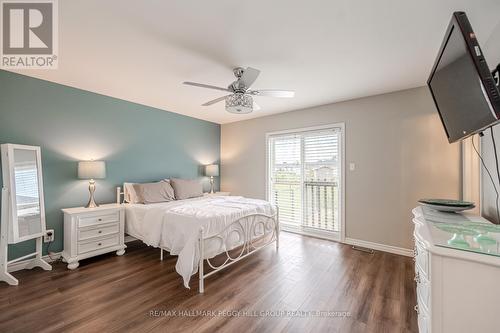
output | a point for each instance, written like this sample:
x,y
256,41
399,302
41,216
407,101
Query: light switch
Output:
x,y
352,166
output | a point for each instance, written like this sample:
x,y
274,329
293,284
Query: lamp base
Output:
x,y
212,185
91,203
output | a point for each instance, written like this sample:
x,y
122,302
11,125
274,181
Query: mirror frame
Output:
x,y
9,183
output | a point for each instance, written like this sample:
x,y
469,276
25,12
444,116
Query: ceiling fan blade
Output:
x,y
201,85
249,76
217,100
256,107
272,93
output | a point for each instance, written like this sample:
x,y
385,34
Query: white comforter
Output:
x,y
176,226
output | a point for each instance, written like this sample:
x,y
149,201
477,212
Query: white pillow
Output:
x,y
129,194
148,193
186,188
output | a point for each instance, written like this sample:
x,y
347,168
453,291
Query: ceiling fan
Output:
x,y
240,99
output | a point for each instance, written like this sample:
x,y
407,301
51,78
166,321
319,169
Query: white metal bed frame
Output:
x,y
254,232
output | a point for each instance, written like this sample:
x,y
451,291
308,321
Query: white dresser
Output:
x,y
458,290
89,232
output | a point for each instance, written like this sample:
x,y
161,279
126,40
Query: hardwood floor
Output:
x,y
117,294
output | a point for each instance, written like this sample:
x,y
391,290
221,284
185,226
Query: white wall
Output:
x,y
397,142
471,173
491,51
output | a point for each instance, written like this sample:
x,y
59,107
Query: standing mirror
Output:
x,y
23,212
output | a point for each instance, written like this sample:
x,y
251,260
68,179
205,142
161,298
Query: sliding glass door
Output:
x,y
305,178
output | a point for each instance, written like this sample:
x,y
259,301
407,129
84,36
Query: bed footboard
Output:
x,y
252,233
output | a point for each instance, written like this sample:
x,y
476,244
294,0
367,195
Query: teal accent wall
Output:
x,y
138,143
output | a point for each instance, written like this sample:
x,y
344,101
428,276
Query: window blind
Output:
x,y
321,168
286,177
26,191
304,177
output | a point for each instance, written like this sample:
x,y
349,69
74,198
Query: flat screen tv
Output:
x,y
461,83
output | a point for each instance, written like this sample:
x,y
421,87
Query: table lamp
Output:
x,y
91,170
212,170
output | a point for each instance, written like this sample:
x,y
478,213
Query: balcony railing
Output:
x,y
321,205
320,208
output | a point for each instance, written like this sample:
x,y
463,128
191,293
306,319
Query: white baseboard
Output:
x,y
129,238
379,247
19,265
351,241
333,236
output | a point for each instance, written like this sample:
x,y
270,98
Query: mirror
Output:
x,y
27,192
22,176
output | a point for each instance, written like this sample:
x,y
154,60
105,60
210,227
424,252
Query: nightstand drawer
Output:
x,y
89,220
98,244
98,231
90,232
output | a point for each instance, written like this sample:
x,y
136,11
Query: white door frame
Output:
x,y
340,236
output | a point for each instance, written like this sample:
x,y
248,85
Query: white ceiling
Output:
x,y
327,51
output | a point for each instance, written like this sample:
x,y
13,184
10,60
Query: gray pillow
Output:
x,y
186,188
148,193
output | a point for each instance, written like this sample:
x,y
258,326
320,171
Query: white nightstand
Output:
x,y
217,194
89,232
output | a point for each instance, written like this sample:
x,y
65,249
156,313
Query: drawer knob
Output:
x,y
99,244
416,309
100,231
99,220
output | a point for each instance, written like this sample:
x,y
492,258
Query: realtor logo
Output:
x,y
29,34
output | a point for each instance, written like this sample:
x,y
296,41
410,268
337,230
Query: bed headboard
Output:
x,y
120,195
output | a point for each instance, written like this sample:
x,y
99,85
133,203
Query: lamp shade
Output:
x,y
212,170
91,169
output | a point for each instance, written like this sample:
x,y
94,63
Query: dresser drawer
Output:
x,y
92,219
94,245
98,230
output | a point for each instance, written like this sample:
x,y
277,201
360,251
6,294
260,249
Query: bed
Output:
x,y
198,230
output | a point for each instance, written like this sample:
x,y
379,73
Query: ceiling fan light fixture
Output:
x,y
240,100
239,103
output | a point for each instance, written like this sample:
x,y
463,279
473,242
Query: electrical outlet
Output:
x,y
49,236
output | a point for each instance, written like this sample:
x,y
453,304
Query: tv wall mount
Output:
x,y
496,75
